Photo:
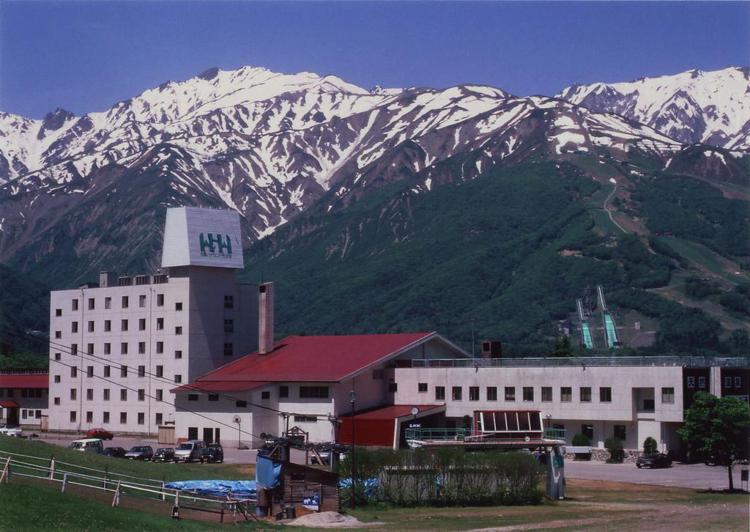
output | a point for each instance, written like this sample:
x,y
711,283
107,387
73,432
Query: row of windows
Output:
x,y
107,349
305,392
528,393
125,326
30,393
619,431
124,303
31,413
107,372
106,395
158,417
737,382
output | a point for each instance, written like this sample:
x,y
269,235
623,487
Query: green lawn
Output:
x,y
706,258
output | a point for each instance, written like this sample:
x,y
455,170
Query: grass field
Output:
x,y
705,259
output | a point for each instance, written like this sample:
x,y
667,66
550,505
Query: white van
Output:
x,y
93,445
189,451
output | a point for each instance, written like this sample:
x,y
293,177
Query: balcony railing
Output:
x,y
653,361
424,434
554,434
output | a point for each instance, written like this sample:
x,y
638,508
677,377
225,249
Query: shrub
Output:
x,y
615,448
581,440
649,445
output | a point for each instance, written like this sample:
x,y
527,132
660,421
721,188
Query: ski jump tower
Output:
x,y
610,330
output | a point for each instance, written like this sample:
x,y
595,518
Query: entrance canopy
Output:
x,y
382,427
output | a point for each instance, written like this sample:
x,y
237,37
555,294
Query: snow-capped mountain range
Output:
x,y
271,145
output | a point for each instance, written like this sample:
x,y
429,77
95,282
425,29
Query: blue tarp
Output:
x,y
370,485
241,489
267,472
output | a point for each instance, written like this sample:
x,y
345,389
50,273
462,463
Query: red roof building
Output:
x,y
23,398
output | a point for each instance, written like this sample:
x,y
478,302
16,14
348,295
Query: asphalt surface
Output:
x,y
697,476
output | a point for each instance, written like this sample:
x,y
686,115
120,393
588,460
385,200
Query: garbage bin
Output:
x,y
289,512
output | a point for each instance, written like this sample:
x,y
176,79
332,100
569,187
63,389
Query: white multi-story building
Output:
x,y
117,348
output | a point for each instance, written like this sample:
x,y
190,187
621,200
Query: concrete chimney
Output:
x,y
265,318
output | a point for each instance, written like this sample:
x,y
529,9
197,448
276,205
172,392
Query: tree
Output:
x,y
616,450
649,446
562,347
718,429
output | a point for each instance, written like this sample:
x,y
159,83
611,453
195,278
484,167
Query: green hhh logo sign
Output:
x,y
215,245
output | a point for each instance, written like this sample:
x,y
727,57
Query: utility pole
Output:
x,y
353,501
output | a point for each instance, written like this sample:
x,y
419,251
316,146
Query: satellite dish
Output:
x,y
236,419
527,438
414,411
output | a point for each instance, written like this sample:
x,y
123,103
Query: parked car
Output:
x,y
189,451
99,433
11,431
653,460
115,452
140,452
163,454
90,445
212,453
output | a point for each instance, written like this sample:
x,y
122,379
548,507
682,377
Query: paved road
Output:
x,y
697,476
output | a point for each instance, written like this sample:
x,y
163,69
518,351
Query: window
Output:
x,y
566,394
727,382
89,349
392,387
528,393
74,371
123,371
158,419
159,300
107,325
89,371
106,371
108,303
473,393
701,382
73,415
74,327
57,356
738,382
124,325
177,354
142,324
73,394
192,433
585,394
105,417
58,312
588,431
456,393
91,326
283,391
57,378
57,400
228,301
667,396
228,326
422,387
123,394
305,419
159,395
141,348
492,393
92,303
159,324
178,330
510,393
89,417
105,394
125,301
546,394
265,395
605,394
58,334
691,382
178,306
439,393
123,418
192,397
178,379
141,394
313,392
142,301
215,396
228,349
160,371
159,348
141,371
74,304
240,404
124,348
619,432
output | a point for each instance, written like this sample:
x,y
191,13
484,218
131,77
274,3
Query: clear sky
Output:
x,y
86,56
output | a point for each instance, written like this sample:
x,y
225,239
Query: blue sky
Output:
x,y
86,56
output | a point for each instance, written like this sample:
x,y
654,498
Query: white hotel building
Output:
x,y
117,348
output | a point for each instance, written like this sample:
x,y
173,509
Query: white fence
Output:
x,y
119,484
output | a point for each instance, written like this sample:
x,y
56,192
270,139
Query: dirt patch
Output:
x,y
329,520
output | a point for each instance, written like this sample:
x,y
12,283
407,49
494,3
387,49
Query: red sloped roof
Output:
x,y
8,404
24,380
394,412
219,386
314,358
